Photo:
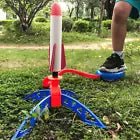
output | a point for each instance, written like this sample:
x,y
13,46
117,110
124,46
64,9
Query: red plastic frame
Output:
x,y
53,84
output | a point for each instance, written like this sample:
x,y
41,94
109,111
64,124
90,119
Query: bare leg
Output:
x,y
115,62
120,14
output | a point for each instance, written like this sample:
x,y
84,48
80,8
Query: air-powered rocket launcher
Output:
x,y
52,96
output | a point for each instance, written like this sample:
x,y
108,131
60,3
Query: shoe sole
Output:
x,y
113,70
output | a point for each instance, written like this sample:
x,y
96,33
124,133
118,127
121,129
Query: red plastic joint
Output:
x,y
55,93
46,82
53,84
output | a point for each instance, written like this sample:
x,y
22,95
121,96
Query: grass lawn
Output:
x,y
117,104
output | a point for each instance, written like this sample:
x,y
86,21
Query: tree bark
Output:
x,y
109,5
71,12
77,11
102,6
92,12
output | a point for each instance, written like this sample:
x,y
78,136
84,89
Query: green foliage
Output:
x,y
137,24
39,35
1,28
16,26
24,9
40,19
93,26
86,18
45,12
131,25
67,24
6,23
107,24
39,28
105,33
81,26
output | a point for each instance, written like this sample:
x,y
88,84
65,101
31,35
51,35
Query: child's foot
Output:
x,y
113,64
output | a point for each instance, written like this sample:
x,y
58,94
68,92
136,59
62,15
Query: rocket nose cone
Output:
x,y
56,9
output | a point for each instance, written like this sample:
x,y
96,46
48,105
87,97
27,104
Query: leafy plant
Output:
x,y
107,24
40,19
67,24
81,25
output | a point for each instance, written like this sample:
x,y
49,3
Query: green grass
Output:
x,y
133,34
22,71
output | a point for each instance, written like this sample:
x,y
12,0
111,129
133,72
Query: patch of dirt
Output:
x,y
106,44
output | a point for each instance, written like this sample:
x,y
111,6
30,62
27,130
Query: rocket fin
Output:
x,y
63,58
49,57
53,58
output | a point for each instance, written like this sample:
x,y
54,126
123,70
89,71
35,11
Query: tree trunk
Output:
x,y
109,5
92,12
71,12
77,9
77,12
24,25
102,5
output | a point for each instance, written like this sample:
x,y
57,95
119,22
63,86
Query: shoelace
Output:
x,y
111,57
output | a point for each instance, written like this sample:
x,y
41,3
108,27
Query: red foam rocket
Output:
x,y
56,51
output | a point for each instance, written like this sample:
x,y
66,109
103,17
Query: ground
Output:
x,y
106,44
115,103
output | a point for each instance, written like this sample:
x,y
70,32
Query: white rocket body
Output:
x,y
56,39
